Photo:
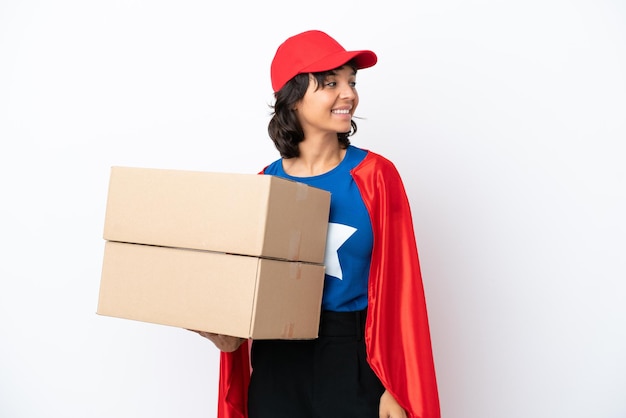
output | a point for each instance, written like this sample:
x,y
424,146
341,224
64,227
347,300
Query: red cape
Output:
x,y
397,334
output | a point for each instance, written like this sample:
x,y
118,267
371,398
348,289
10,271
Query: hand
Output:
x,y
390,408
224,343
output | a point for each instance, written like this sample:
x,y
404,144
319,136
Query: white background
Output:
x,y
505,119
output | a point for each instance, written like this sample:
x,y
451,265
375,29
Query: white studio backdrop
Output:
x,y
505,119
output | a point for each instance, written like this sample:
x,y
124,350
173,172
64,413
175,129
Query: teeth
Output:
x,y
342,111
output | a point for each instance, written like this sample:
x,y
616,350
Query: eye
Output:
x,y
330,84
352,84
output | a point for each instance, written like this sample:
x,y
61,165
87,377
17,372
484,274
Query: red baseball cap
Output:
x,y
310,52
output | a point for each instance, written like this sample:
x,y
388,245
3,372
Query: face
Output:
x,y
328,109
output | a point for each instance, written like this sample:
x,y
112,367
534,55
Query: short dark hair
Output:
x,y
284,127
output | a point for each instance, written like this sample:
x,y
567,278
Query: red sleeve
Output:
x,y
397,333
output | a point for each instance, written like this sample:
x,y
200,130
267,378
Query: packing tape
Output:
x,y
295,270
288,330
302,191
295,238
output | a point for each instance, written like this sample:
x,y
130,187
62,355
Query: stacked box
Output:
x,y
234,254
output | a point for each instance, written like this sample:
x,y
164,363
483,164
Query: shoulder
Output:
x,y
380,184
375,163
273,168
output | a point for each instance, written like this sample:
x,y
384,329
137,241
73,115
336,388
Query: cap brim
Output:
x,y
362,59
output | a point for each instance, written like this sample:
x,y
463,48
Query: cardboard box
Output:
x,y
243,296
249,214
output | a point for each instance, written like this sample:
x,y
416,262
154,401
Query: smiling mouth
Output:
x,y
341,111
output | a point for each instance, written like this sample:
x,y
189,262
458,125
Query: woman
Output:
x,y
373,356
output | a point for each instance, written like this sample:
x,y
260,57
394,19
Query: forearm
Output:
x,y
224,343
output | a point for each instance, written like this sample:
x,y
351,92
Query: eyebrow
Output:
x,y
334,72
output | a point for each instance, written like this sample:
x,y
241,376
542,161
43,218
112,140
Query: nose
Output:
x,y
347,91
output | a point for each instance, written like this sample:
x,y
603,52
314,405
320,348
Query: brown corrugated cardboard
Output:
x,y
249,214
242,296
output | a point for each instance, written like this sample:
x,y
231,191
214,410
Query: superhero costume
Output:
x,y
397,333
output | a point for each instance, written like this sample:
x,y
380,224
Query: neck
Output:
x,y
316,157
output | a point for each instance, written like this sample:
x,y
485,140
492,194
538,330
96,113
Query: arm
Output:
x,y
390,408
224,343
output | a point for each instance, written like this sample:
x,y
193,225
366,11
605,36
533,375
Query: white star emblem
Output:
x,y
336,236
